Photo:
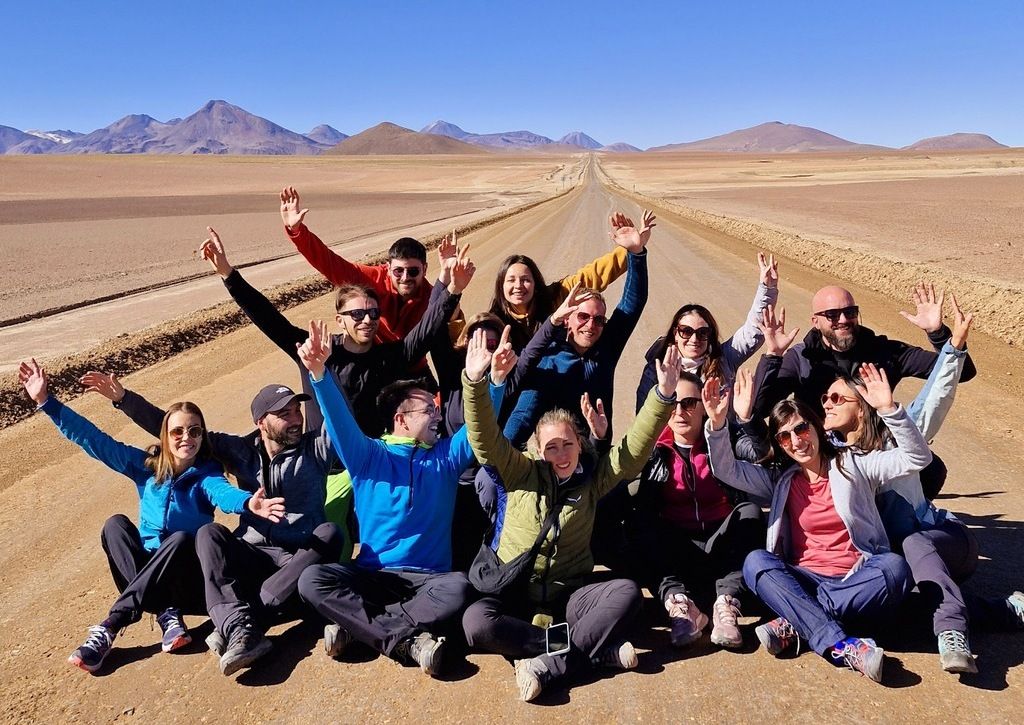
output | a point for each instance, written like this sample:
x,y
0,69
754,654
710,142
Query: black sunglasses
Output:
x,y
685,405
410,272
357,315
585,317
686,332
801,430
851,313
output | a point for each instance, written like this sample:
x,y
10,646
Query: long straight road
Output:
x,y
54,581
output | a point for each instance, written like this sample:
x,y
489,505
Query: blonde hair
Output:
x,y
160,459
554,417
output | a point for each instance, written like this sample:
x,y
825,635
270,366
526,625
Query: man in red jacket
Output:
x,y
399,282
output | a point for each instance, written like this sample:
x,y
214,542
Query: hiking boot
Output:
x,y
686,620
616,657
336,639
423,649
725,632
861,655
173,626
955,653
531,676
245,645
777,636
91,654
215,642
1016,604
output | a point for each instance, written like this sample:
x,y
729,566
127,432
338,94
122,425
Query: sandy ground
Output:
x,y
54,582
116,225
956,218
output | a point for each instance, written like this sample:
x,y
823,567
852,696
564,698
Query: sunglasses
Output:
x,y
687,404
836,399
851,313
410,272
686,332
801,430
193,431
357,315
585,317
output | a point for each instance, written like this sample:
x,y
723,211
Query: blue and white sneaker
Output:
x,y
861,655
91,654
173,626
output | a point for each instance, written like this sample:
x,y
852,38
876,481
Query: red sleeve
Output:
x,y
335,268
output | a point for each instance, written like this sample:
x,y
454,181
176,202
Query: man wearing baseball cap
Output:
x,y
253,573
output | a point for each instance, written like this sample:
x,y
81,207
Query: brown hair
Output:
x,y
346,292
160,459
712,367
540,305
485,320
874,434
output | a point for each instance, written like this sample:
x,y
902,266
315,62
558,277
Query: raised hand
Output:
x,y
595,416
961,324
478,357
290,208
776,340
35,381
448,248
106,384
625,234
716,402
668,372
266,508
648,223
213,252
316,349
576,297
768,269
504,358
462,272
929,307
743,395
876,389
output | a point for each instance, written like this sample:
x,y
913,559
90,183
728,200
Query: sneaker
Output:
x,y
531,676
336,639
1016,604
725,632
687,621
245,645
215,642
861,655
777,636
616,657
955,653
175,633
91,654
423,649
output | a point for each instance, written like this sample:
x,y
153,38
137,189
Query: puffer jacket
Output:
x,y
532,489
185,503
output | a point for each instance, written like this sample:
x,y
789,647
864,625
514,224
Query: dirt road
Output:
x,y
53,501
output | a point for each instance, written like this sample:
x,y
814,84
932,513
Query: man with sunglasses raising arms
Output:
x,y
838,345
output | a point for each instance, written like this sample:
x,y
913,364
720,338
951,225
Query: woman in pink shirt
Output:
x,y
827,567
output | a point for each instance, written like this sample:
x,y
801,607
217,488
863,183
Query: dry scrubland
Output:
x,y
881,220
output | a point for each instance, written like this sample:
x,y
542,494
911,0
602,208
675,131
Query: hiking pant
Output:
x,y
820,606
243,579
150,581
598,615
381,608
673,561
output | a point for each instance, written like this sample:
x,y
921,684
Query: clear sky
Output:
x,y
645,73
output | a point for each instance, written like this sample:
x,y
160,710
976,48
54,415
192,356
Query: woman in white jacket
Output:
x,y
827,566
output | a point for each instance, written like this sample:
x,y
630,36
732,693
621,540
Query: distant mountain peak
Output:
x,y
580,139
444,128
956,142
327,135
770,137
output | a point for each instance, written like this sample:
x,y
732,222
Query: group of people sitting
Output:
x,y
480,494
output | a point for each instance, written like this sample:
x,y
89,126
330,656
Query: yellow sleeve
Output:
x,y
596,276
456,324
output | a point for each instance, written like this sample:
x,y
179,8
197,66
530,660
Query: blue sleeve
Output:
x,y
224,496
497,393
126,460
459,451
353,448
630,307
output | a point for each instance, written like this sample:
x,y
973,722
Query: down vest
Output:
x,y
532,488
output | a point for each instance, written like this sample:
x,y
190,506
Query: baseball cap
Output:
x,y
272,399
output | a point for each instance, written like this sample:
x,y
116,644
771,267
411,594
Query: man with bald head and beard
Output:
x,y
838,344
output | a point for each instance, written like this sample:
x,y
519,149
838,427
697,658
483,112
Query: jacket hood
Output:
x,y
393,440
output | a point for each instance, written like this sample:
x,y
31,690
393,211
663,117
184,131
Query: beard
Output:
x,y
841,343
285,436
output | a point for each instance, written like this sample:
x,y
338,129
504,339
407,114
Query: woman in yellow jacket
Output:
x,y
560,585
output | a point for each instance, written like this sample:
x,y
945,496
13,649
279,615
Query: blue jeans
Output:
x,y
818,606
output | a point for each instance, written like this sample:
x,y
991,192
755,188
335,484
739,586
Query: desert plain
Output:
x,y
98,256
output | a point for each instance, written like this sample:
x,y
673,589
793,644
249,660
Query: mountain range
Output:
x,y
222,128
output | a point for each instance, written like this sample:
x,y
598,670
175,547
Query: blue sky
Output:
x,y
645,73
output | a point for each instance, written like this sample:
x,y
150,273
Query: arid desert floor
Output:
x,y
714,213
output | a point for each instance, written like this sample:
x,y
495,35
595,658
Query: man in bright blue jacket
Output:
x,y
400,588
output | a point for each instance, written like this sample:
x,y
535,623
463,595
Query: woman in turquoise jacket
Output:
x,y
179,483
